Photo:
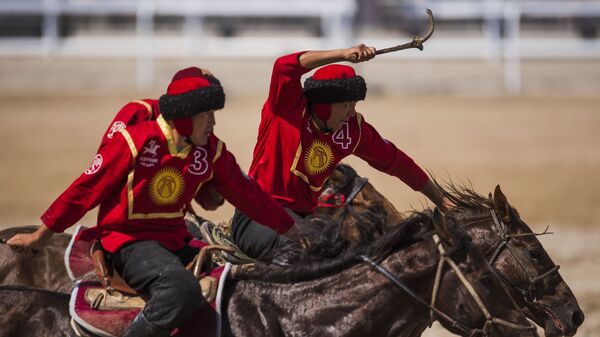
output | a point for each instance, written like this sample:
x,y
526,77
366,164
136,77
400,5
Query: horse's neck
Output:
x,y
357,301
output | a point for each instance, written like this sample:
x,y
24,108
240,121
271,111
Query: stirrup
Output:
x,y
214,235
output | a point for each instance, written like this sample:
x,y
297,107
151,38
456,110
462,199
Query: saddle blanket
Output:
x,y
113,323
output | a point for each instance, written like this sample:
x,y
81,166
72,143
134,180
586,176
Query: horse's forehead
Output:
x,y
336,178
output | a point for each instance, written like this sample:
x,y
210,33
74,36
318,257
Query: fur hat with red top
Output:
x,y
334,83
190,92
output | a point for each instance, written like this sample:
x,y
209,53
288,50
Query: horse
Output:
x,y
496,228
362,202
389,288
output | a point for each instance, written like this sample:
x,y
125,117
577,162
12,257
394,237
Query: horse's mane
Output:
x,y
463,196
328,255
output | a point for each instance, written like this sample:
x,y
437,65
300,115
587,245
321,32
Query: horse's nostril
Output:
x,y
577,318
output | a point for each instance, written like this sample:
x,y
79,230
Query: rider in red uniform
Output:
x,y
144,110
143,178
305,132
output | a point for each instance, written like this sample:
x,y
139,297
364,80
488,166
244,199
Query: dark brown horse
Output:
x,y
356,294
512,247
521,261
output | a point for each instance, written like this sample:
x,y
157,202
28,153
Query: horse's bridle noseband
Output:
x,y
504,241
444,258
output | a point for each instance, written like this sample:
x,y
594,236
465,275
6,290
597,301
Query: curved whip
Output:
x,y
417,41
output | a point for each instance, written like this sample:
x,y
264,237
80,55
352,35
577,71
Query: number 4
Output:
x,y
342,136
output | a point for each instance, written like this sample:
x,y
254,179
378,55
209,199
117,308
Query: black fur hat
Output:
x,y
189,93
334,84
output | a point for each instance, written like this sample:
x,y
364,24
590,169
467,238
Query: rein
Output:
x,y
504,242
445,259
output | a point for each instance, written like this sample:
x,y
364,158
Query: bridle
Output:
x,y
490,320
504,242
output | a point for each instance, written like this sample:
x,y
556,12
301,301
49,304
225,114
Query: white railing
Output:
x,y
335,18
336,22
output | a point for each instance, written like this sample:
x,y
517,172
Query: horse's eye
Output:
x,y
535,254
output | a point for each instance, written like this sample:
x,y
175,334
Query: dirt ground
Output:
x,y
543,150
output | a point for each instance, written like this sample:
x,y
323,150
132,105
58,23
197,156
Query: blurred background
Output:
x,y
505,92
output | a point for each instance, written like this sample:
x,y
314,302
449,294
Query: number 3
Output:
x,y
200,165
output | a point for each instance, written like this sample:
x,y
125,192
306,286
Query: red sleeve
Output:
x,y
386,157
285,91
130,114
108,169
246,195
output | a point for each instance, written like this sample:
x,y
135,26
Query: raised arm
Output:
x,y
318,58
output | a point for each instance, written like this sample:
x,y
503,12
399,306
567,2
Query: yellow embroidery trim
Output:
x,y
168,132
359,120
218,152
132,148
147,106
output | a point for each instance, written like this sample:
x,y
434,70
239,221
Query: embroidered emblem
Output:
x,y
166,187
318,158
151,148
95,165
116,127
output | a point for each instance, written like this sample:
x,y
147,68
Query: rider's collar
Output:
x,y
322,126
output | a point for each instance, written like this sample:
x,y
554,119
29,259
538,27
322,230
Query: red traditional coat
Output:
x,y
143,184
293,158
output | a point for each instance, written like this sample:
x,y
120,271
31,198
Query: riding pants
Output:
x,y
171,292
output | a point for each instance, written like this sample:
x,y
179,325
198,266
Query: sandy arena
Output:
x,y
544,151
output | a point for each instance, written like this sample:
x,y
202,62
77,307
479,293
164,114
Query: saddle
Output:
x,y
104,304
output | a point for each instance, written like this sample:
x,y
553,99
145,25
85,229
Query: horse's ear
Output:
x,y
441,227
501,205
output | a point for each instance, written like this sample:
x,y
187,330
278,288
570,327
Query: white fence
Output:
x,y
336,20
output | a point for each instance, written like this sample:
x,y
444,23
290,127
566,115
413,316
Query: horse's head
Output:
x,y
364,214
470,293
529,271
520,260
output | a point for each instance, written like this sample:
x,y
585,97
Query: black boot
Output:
x,y
140,327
